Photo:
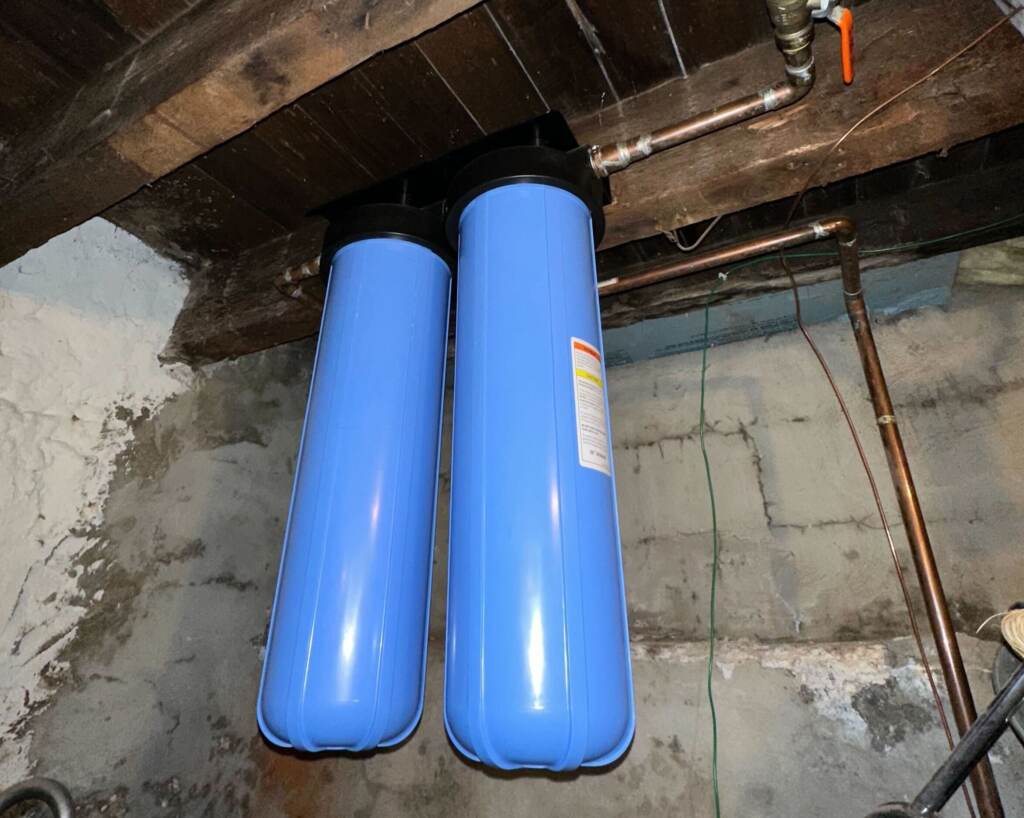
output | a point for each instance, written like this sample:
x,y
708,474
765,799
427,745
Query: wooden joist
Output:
x,y
770,158
208,76
234,307
972,208
921,207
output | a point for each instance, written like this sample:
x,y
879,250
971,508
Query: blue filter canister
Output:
x,y
346,654
537,668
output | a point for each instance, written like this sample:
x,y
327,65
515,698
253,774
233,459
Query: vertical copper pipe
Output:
x,y
957,685
845,233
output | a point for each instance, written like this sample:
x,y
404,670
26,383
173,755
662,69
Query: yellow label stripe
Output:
x,y
580,373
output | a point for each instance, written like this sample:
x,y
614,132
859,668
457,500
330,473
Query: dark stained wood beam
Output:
x,y
770,157
411,104
212,73
234,307
935,203
949,214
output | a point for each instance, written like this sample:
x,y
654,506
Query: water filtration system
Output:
x,y
537,669
346,654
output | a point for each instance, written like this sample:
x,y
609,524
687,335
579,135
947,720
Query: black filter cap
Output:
x,y
420,225
568,170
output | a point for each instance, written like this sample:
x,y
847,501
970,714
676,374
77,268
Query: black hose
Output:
x,y
973,746
52,793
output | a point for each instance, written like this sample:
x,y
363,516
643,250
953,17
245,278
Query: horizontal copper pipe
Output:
x,y
685,265
608,159
794,33
844,231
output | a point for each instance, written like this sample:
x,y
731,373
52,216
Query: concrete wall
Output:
x,y
81,323
144,705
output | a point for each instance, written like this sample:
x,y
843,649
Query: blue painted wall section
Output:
x,y
889,291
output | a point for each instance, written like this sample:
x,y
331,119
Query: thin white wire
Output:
x,y
673,236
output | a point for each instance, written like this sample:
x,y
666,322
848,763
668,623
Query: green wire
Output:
x,y
711,485
915,244
714,565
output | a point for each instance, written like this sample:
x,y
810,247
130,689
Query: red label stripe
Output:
x,y
586,348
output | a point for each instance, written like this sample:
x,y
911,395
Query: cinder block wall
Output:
x,y
130,657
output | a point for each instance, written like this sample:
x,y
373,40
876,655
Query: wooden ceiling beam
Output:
x,y
207,77
770,157
235,308
921,207
971,208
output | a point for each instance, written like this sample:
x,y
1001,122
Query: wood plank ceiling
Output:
x,y
500,63
50,49
236,216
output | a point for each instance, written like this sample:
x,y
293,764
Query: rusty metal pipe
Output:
x,y
52,793
794,32
844,231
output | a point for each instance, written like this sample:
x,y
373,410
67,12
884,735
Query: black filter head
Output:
x,y
568,170
420,225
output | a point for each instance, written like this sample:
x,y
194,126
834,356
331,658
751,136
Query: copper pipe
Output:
x,y
613,157
844,231
957,685
760,246
794,31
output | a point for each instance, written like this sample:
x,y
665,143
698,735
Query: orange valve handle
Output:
x,y
845,23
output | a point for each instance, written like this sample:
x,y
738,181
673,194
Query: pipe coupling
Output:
x,y
801,74
605,161
788,15
794,33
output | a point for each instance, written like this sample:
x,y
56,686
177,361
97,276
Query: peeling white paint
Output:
x,y
82,320
833,673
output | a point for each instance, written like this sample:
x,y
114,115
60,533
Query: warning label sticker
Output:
x,y
591,422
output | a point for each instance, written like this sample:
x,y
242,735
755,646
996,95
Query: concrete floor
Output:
x,y
822,706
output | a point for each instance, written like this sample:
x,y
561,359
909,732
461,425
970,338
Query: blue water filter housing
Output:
x,y
346,653
537,667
